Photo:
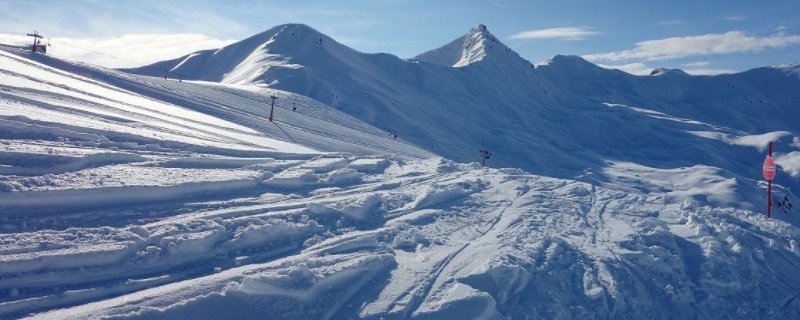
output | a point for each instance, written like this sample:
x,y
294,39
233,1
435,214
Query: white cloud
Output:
x,y
669,22
639,69
696,64
569,33
735,18
83,19
679,47
14,39
130,50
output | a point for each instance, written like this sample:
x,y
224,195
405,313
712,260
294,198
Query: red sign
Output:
x,y
769,169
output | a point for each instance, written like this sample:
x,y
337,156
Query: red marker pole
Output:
x,y
769,173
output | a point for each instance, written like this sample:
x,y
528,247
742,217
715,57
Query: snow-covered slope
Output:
x,y
435,240
199,107
565,117
134,197
69,117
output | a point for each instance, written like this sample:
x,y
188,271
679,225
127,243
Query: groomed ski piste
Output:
x,y
135,197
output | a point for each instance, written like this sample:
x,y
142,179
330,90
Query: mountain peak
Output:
x,y
470,48
290,34
479,28
662,71
299,30
255,59
565,59
568,62
273,33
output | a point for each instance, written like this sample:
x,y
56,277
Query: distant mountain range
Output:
x,y
564,117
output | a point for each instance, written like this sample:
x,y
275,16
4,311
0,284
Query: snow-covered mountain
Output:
x,y
478,45
138,197
565,117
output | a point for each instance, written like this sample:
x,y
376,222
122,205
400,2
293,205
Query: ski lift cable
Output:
x,y
115,57
215,89
97,52
13,32
370,133
516,151
172,72
303,114
285,108
362,131
429,139
26,35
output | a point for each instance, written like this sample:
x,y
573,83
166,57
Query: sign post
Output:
x,y
769,173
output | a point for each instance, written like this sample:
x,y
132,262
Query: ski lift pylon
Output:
x,y
37,46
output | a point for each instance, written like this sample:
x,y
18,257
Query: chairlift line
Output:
x,y
180,78
178,75
393,135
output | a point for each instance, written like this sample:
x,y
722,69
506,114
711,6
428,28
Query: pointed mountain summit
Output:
x,y
255,59
477,45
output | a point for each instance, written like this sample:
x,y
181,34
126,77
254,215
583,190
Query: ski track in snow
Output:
x,y
129,197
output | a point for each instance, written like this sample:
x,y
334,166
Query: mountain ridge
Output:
x,y
564,117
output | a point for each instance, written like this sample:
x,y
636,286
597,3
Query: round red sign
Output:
x,y
769,168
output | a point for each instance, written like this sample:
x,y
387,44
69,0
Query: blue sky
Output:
x,y
700,36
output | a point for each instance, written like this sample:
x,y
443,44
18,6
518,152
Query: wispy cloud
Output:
x,y
679,47
129,50
638,68
568,33
81,19
735,18
669,22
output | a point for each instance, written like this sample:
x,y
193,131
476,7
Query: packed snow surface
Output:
x,y
135,197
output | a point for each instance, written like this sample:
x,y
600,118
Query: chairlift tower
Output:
x,y
485,154
37,43
272,108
